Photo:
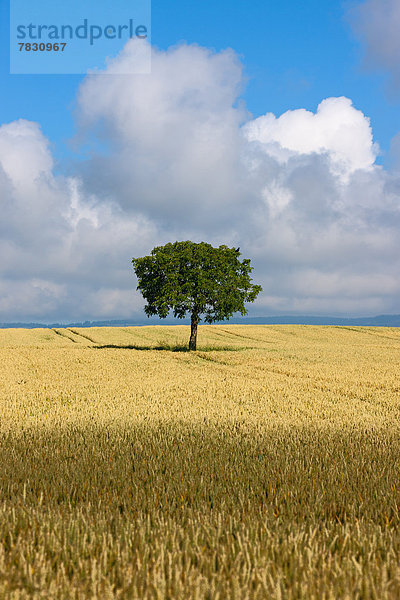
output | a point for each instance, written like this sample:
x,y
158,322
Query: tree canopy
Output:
x,y
195,279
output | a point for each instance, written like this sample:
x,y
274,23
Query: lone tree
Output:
x,y
195,279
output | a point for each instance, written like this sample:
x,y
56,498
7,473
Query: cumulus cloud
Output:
x,y
58,250
25,153
337,130
377,23
173,136
174,155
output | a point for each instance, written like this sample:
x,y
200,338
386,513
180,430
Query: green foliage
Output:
x,y
198,279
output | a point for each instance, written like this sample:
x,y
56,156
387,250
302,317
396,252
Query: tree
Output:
x,y
195,279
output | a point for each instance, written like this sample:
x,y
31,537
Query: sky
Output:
x,y
270,126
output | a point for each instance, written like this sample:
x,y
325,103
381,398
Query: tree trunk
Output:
x,y
193,332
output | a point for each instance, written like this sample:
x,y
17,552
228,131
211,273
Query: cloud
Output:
x,y
59,251
169,134
377,24
175,155
25,153
337,130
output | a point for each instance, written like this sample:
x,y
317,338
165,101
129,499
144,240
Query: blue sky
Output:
x,y
287,56
294,53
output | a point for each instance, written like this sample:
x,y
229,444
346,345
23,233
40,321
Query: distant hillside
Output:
x,y
378,321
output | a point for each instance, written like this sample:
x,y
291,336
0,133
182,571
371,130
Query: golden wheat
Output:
x,y
264,465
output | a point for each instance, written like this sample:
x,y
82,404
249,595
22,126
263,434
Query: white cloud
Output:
x,y
337,129
57,248
174,136
276,197
180,158
377,23
25,154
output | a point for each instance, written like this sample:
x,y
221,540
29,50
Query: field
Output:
x,y
264,465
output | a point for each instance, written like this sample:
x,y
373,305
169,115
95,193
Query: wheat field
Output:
x,y
264,465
